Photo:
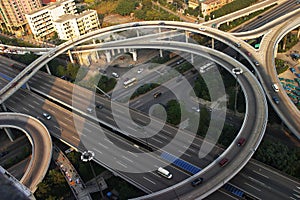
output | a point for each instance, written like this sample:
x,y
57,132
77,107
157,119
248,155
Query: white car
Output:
x,y
47,116
202,29
140,70
196,109
114,74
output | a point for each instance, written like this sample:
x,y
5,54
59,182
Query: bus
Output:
x,y
129,82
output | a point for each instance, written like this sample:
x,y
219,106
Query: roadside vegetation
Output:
x,y
281,66
230,7
54,186
291,40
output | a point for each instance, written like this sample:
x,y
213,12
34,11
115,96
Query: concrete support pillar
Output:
x,y
97,53
113,52
137,33
275,51
284,42
7,130
192,58
108,56
227,23
79,55
70,56
47,68
160,53
134,55
212,43
186,36
298,33
27,86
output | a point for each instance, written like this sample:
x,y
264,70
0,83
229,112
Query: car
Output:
x,y
162,23
140,70
223,162
46,115
197,181
238,45
256,63
100,106
275,99
157,94
202,29
298,75
135,25
3,153
114,74
196,109
292,69
275,87
90,109
241,142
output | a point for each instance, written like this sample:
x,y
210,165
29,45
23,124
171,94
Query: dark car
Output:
x,y
276,100
162,23
223,162
157,94
100,106
197,181
241,142
135,25
3,153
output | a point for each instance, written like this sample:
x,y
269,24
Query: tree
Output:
x,y
173,112
125,7
43,190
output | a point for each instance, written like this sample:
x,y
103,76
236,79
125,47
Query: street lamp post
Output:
x,y
88,156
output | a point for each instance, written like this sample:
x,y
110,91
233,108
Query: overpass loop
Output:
x,y
260,102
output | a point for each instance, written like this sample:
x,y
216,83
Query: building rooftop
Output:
x,y
67,17
50,6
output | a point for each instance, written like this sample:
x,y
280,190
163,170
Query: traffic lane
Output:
x,y
220,194
272,180
56,115
19,169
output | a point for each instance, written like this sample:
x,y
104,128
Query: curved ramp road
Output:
x,y
40,140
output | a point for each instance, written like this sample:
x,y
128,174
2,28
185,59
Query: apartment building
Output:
x,y
12,13
210,5
62,18
41,20
70,26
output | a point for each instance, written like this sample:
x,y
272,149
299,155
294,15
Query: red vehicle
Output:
x,y
241,141
223,162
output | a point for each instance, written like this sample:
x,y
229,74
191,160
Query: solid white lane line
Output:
x,y
75,138
252,186
121,164
156,140
260,174
127,159
149,180
134,154
102,145
98,151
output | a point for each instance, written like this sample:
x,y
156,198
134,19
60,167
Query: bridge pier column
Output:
x,y
7,130
134,55
137,33
298,33
70,56
108,56
192,58
284,42
275,51
212,43
160,53
27,86
186,37
97,53
47,68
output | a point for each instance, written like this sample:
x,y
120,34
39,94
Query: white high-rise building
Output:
x,y
62,17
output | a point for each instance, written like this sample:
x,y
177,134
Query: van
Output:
x,y
165,173
157,94
275,87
